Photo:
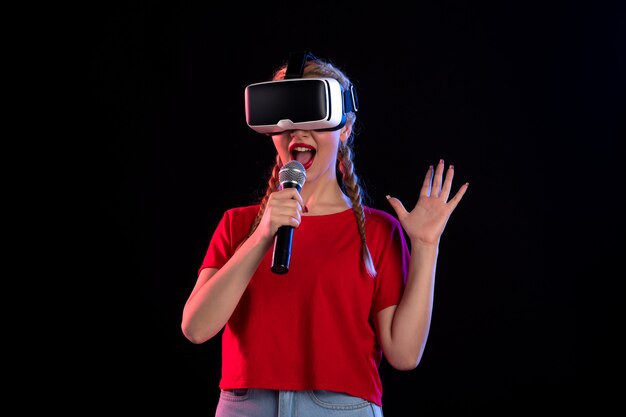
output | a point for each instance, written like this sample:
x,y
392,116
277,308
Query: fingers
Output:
x,y
447,184
427,184
437,179
397,206
289,194
434,193
285,208
458,196
434,184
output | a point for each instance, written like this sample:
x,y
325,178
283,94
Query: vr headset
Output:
x,y
298,103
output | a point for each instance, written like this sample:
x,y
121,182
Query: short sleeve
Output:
x,y
220,247
231,230
391,262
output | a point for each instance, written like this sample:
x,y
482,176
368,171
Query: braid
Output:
x,y
354,192
272,185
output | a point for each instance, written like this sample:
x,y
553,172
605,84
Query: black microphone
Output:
x,y
291,175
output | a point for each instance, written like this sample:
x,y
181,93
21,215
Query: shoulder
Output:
x,y
241,215
251,210
380,217
379,221
384,233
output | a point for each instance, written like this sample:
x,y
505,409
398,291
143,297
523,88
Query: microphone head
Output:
x,y
292,175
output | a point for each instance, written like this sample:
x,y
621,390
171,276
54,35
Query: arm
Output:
x,y
218,291
403,329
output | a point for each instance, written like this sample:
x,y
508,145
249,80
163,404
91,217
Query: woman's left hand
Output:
x,y
426,222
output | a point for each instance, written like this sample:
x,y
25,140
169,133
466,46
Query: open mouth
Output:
x,y
303,153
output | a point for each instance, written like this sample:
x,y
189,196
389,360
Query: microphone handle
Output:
x,y
282,250
282,243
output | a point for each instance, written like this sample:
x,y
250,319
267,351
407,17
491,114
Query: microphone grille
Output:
x,y
292,172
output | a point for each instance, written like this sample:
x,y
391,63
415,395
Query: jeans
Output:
x,y
273,403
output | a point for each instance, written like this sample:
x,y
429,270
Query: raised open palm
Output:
x,y
426,222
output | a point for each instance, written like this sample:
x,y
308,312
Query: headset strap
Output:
x,y
295,69
350,100
295,65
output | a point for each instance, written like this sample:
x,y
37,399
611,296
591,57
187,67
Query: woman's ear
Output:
x,y
345,132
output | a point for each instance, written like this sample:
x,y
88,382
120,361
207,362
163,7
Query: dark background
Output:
x,y
527,101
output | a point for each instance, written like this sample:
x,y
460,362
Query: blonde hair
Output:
x,y
346,175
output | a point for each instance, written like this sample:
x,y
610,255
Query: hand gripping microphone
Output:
x,y
291,175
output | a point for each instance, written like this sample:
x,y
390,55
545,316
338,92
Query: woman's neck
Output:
x,y
324,198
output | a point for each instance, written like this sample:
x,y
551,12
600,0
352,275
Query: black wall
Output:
x,y
507,92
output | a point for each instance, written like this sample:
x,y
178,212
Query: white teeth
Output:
x,y
302,149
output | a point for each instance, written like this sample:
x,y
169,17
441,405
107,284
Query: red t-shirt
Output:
x,y
312,328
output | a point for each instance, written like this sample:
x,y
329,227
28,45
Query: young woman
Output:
x,y
310,343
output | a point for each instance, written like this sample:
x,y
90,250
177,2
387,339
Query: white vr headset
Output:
x,y
273,107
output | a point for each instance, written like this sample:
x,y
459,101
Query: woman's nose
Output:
x,y
296,133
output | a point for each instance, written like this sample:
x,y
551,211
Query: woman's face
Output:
x,y
316,150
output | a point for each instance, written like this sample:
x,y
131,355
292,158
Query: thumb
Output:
x,y
397,206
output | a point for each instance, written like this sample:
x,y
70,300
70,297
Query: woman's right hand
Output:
x,y
284,208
